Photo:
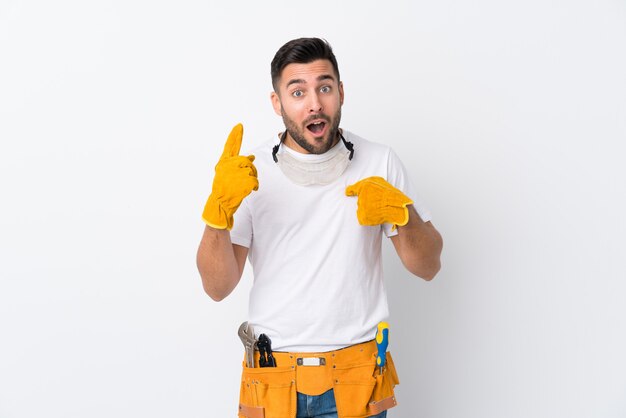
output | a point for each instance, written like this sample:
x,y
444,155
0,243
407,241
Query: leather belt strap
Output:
x,y
376,408
252,411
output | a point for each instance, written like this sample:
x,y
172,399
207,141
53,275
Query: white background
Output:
x,y
510,116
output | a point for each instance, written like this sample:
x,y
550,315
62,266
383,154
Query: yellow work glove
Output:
x,y
235,178
379,202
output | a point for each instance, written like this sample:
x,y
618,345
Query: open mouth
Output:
x,y
317,128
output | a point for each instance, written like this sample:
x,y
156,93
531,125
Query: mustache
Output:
x,y
314,117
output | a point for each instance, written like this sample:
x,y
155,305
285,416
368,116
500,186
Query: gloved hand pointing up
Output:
x,y
235,178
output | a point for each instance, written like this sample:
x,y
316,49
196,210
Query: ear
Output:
x,y
276,103
341,93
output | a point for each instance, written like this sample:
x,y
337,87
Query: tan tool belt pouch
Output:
x,y
360,390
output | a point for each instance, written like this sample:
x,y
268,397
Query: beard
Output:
x,y
320,144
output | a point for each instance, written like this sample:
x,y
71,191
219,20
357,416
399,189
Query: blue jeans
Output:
x,y
321,406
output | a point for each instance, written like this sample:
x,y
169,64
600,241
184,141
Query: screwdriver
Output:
x,y
382,341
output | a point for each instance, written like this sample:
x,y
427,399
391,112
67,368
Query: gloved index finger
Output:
x,y
233,143
354,189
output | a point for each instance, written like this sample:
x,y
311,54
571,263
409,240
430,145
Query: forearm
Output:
x,y
217,264
419,246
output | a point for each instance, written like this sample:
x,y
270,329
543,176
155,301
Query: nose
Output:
x,y
315,104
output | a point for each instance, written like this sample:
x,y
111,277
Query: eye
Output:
x,y
325,89
297,93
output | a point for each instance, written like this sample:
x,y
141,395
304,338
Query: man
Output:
x,y
309,213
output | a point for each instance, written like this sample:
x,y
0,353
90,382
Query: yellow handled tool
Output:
x,y
382,341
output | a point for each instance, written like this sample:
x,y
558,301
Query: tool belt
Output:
x,y
359,387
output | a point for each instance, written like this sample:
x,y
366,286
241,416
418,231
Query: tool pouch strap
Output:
x,y
251,411
359,388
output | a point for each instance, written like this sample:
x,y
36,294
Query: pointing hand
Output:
x,y
379,202
235,178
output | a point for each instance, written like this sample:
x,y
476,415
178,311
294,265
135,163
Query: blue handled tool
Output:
x,y
382,341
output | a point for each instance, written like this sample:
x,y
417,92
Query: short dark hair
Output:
x,y
301,51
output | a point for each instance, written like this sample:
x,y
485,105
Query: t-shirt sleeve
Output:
x,y
399,178
241,234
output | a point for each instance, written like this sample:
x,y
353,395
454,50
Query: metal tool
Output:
x,y
382,341
265,349
246,333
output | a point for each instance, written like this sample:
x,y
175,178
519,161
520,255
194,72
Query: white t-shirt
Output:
x,y
318,278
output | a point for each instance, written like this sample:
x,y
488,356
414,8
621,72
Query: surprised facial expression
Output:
x,y
309,100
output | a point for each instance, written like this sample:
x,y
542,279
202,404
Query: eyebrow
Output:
x,y
319,78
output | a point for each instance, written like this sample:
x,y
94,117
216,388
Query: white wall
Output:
x,y
511,117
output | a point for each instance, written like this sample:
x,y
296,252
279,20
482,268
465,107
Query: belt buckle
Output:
x,y
311,361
